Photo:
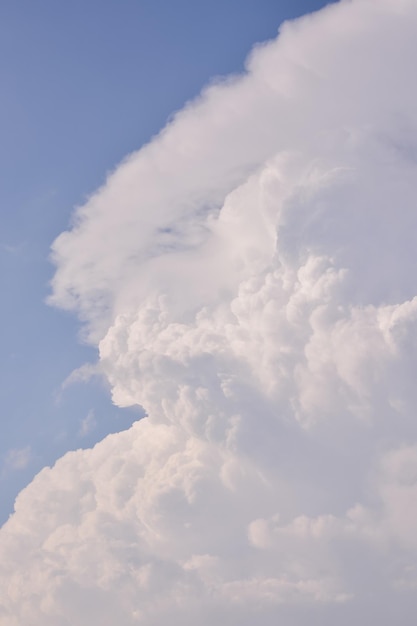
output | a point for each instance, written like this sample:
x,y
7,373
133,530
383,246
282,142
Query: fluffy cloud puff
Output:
x,y
248,279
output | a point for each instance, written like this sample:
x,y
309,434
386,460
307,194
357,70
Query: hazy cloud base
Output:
x,y
248,278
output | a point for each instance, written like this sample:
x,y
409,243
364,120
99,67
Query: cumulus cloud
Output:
x,y
248,279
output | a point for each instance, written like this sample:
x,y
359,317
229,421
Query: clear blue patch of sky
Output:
x,y
84,83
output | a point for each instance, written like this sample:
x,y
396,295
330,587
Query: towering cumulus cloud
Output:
x,y
249,279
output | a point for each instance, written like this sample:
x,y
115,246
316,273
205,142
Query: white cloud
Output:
x,y
82,374
248,278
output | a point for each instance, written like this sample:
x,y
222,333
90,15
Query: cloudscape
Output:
x,y
248,278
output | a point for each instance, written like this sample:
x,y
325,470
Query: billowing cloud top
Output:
x,y
248,278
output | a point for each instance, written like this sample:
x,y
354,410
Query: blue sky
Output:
x,y
83,84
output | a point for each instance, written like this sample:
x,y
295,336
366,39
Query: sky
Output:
x,y
85,84
240,267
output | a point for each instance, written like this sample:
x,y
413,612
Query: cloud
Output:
x,y
88,424
248,278
12,249
82,374
17,458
